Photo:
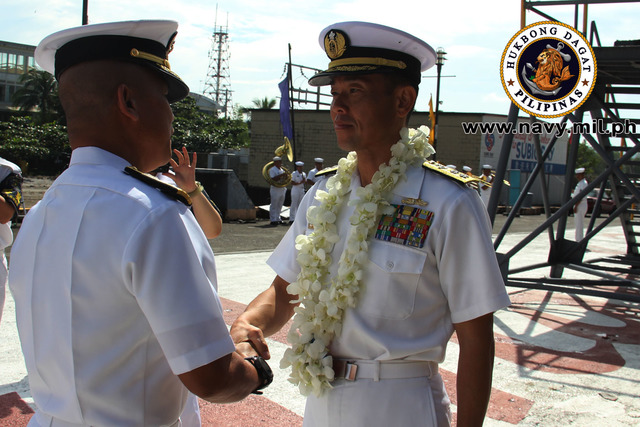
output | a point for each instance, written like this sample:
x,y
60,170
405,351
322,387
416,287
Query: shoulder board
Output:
x,y
168,189
327,171
456,175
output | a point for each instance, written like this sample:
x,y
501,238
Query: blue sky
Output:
x,y
473,33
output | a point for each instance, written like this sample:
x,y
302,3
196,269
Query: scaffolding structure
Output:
x,y
217,85
616,277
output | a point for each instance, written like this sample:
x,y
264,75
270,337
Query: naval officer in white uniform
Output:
x,y
114,281
378,290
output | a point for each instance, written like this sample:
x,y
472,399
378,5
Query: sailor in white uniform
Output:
x,y
10,203
298,180
416,271
114,281
580,208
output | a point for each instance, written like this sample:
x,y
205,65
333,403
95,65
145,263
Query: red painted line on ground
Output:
x,y
601,358
255,411
14,412
503,406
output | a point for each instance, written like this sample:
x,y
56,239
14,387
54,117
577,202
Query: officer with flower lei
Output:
x,y
394,255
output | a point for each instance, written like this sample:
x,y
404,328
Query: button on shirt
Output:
x,y
412,296
115,290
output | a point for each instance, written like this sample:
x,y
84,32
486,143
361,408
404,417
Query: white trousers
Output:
x,y
277,200
391,402
297,193
579,215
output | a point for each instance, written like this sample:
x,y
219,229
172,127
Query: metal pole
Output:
x,y
439,62
85,12
501,168
293,127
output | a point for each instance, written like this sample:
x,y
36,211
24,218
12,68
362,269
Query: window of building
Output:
x,y
12,62
4,58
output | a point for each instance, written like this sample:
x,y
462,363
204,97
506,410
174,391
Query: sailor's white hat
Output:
x,y
299,163
145,42
487,167
318,160
466,168
580,170
363,48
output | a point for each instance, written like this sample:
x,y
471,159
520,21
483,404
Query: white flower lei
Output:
x,y
318,318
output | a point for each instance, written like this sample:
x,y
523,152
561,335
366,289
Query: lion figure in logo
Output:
x,y
550,72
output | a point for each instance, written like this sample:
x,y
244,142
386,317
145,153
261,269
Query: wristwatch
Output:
x,y
264,372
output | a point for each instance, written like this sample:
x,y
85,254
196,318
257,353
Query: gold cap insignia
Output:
x,y
335,43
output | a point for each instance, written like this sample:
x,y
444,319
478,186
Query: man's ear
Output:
x,y
406,100
126,102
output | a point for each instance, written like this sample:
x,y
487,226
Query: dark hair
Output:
x,y
399,79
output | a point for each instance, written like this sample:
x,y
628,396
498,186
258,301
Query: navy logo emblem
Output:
x,y
489,141
548,69
335,43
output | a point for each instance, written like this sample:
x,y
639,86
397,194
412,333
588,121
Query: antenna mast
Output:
x,y
218,82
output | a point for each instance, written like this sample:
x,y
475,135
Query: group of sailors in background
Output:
x,y
300,181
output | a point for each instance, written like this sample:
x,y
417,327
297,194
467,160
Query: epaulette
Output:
x,y
11,190
168,189
327,171
454,174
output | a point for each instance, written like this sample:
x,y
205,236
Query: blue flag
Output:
x,y
285,116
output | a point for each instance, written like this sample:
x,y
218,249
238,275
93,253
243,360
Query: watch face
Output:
x,y
265,367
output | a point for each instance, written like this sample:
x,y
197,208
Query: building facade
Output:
x,y
15,60
314,137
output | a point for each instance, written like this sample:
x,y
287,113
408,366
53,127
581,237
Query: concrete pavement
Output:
x,y
560,359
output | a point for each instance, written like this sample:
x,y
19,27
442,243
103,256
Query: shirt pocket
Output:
x,y
391,282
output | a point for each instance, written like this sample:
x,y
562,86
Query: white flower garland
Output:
x,y
318,318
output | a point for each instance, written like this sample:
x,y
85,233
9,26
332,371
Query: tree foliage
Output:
x,y
39,149
202,132
39,91
589,159
264,103
42,148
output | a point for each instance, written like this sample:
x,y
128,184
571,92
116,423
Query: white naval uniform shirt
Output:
x,y
115,290
412,296
6,234
582,205
485,193
297,178
311,176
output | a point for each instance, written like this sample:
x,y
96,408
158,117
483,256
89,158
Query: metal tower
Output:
x,y
217,86
615,277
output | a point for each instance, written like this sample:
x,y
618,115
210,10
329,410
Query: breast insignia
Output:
x,y
168,189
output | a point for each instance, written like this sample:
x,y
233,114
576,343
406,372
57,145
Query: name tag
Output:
x,y
407,226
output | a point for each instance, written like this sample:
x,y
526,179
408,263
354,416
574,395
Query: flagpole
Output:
x,y
293,127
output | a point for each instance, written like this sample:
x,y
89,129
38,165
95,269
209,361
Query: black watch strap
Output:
x,y
264,372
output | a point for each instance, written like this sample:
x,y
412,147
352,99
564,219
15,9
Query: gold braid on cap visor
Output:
x,y
368,61
164,63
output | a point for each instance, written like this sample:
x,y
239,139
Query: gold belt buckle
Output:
x,y
345,369
350,371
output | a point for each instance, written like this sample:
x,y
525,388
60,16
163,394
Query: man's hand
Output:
x,y
249,340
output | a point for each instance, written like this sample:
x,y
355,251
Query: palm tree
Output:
x,y
39,90
265,103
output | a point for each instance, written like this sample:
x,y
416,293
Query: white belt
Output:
x,y
351,370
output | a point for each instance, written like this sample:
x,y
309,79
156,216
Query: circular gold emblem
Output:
x,y
335,43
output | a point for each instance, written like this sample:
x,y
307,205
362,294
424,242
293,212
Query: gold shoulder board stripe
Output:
x,y
451,173
168,189
327,171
